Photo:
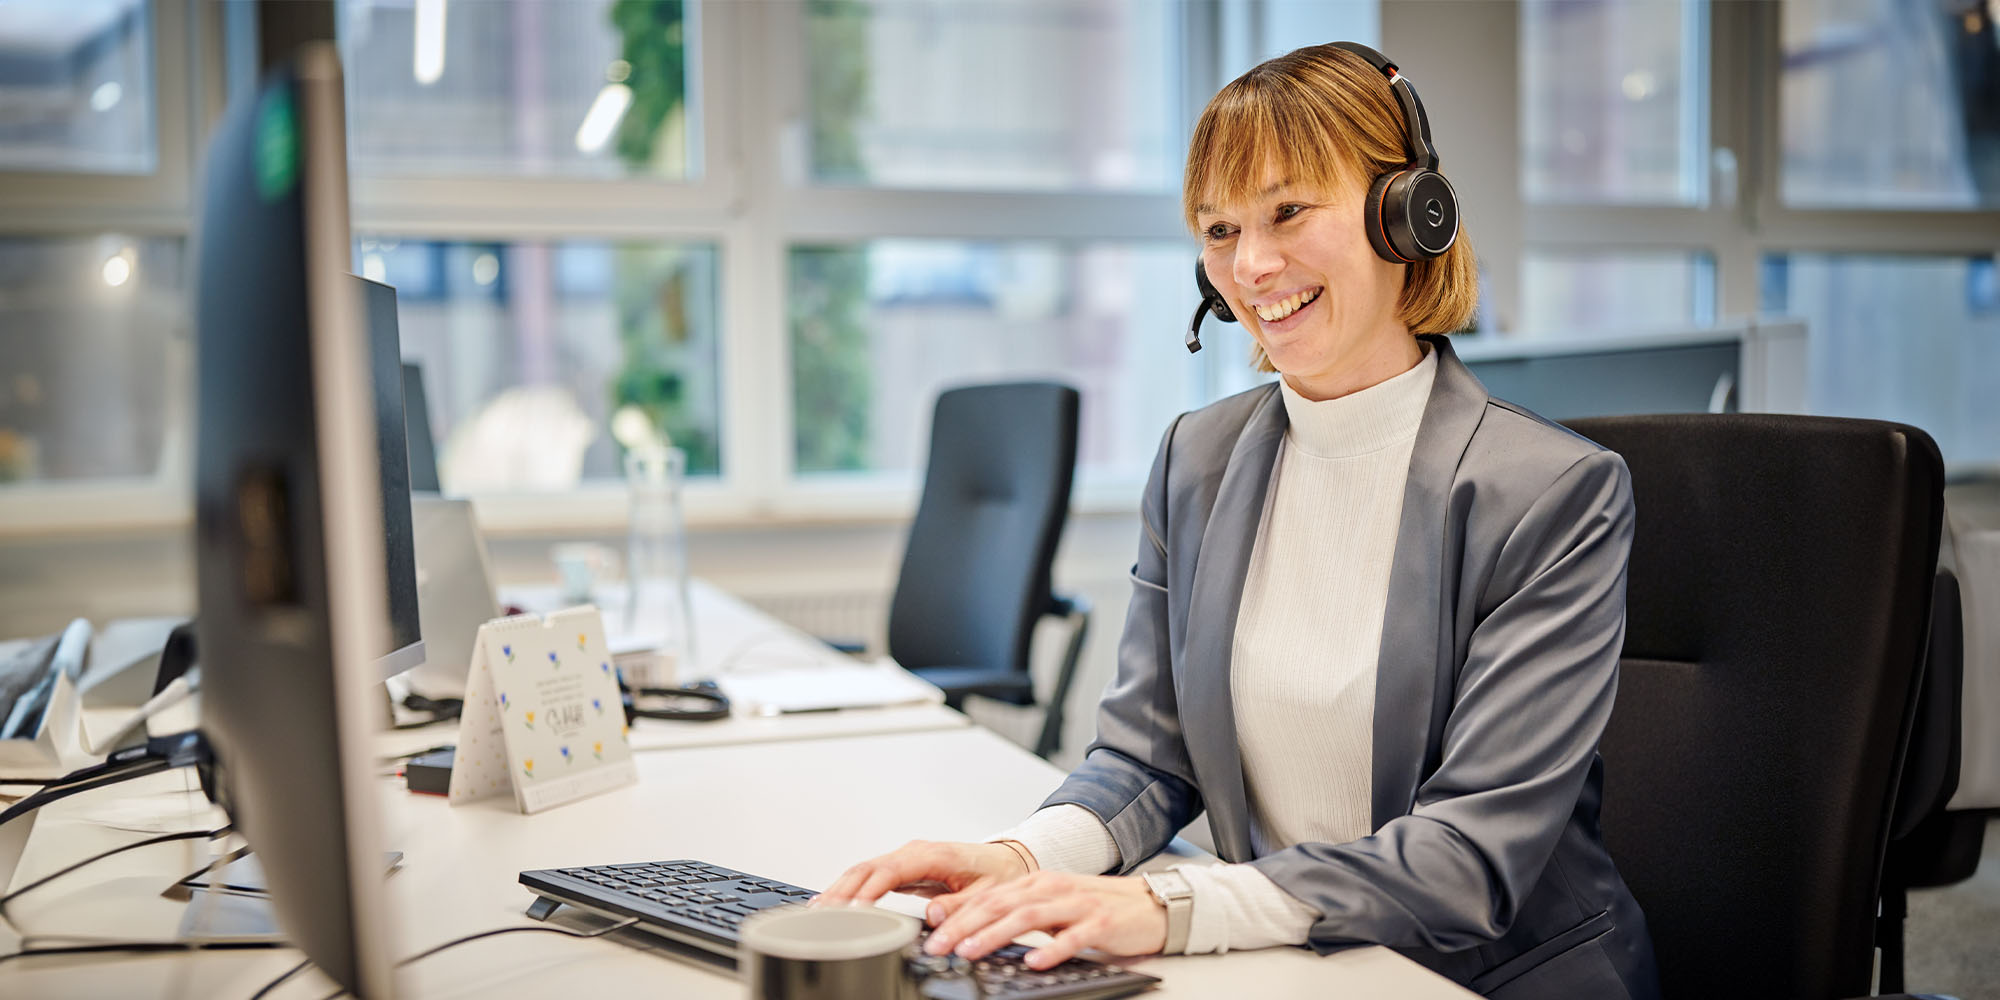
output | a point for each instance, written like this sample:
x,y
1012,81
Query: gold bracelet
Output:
x,y
1027,858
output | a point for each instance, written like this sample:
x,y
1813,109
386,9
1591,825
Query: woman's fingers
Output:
x,y
1050,914
917,861
977,910
1087,933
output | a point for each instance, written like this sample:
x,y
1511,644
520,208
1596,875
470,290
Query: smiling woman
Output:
x,y
1385,696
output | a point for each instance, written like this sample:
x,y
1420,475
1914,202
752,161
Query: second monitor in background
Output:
x,y
385,377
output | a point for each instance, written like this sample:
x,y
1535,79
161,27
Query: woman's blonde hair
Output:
x,y
1322,116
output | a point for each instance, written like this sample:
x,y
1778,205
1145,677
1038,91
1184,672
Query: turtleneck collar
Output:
x,y
1381,415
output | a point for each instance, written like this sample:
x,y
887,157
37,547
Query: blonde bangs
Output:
x,y
1237,147
1316,120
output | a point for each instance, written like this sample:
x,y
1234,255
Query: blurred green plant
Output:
x,y
831,379
652,293
828,287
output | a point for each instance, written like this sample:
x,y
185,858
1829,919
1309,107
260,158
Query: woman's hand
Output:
x,y
955,867
1114,914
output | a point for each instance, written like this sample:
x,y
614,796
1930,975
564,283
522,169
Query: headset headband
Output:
x,y
1416,123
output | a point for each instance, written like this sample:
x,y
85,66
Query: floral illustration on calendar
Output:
x,y
556,729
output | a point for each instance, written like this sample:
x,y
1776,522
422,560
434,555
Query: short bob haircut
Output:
x,y
1323,117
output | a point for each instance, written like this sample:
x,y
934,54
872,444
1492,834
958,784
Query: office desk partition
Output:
x,y
786,810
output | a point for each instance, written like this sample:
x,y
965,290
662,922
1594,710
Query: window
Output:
x,y
1891,104
528,349
995,94
76,86
1908,338
1623,290
96,358
879,329
583,88
1613,101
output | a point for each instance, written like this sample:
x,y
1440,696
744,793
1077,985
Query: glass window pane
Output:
x,y
1909,338
996,94
76,86
94,358
529,349
879,329
1591,292
1613,105
576,88
1891,104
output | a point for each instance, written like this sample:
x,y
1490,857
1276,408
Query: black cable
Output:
x,y
142,946
29,781
455,942
273,984
93,859
158,753
600,932
62,791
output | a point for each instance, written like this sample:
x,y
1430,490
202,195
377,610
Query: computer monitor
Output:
x,y
417,421
385,366
289,553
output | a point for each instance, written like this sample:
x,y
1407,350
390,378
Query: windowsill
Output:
x,y
53,510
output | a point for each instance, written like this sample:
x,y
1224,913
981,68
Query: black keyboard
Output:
x,y
700,904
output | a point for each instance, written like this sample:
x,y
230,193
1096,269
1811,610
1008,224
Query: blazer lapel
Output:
x,y
1410,666
1208,713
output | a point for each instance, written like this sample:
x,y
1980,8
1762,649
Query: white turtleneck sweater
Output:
x,y
1302,670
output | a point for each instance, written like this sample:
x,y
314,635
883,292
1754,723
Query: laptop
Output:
x,y
454,592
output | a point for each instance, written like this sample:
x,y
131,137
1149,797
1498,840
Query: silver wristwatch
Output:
x,y
1172,890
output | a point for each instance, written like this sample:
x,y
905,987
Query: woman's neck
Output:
x,y
1386,359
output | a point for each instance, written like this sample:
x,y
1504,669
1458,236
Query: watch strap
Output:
x,y
1172,890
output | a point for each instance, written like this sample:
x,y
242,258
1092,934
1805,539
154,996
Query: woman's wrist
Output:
x,y
1022,854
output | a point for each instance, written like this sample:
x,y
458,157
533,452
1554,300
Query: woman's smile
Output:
x,y
1285,314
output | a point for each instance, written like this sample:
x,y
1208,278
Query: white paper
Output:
x,y
826,687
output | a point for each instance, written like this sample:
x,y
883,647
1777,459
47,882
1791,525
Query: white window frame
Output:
x,y
186,88
1740,223
752,202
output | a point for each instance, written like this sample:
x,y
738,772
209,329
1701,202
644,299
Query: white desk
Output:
x,y
773,809
733,635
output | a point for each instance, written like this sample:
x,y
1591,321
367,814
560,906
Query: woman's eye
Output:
x,y
1219,231
1287,211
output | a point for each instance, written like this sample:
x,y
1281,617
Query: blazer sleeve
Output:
x,y
1137,777
1530,704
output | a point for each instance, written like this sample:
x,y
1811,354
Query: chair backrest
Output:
x,y
1778,607
1930,768
996,493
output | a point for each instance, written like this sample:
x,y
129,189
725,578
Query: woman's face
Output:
x,y
1295,266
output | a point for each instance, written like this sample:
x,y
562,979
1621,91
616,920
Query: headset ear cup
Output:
x,y
1371,215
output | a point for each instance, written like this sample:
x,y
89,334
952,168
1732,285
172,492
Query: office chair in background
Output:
x,y
1930,846
1777,614
975,576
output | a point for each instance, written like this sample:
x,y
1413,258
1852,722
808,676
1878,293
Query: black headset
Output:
x,y
1411,214
701,701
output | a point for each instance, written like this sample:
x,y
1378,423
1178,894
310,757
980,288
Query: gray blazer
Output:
x,y
1498,664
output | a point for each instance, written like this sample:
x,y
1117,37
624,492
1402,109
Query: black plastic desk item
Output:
x,y
699,904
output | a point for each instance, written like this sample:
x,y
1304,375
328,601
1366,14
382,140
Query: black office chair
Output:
x,y
975,575
1778,608
1929,845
